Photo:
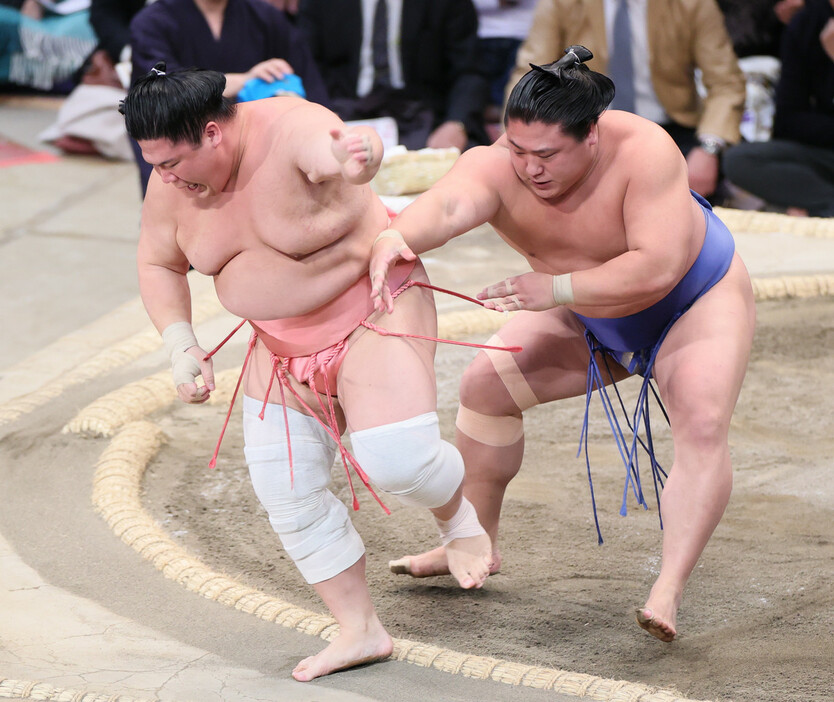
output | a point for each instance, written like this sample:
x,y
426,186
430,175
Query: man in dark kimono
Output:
x,y
242,38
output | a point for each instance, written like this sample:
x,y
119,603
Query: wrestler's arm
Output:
x,y
162,266
327,149
657,214
163,286
464,198
461,200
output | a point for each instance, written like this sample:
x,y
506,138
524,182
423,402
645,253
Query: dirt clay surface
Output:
x,y
758,615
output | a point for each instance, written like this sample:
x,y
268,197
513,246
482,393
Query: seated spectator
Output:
x,y
88,122
753,26
111,22
244,39
502,26
412,60
795,169
42,45
652,57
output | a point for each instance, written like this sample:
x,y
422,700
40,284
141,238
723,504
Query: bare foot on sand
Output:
x,y
432,563
655,625
469,559
345,651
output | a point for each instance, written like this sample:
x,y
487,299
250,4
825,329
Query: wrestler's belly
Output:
x,y
318,332
269,285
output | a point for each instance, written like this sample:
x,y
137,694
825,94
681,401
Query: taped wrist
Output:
x,y
389,234
464,524
178,338
562,289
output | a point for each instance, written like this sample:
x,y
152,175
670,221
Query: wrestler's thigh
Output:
x,y
386,379
701,365
553,361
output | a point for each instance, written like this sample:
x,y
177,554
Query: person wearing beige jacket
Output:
x,y
671,38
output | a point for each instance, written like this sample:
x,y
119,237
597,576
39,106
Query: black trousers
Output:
x,y
785,173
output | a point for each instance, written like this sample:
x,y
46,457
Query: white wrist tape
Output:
x,y
178,338
464,524
389,234
562,289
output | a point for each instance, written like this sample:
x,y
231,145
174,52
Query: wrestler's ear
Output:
x,y
593,134
213,133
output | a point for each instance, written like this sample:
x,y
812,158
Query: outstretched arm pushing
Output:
x,y
458,202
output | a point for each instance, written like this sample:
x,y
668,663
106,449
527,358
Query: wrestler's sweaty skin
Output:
x,y
274,204
624,235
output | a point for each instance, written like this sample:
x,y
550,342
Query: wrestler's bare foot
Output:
x,y
345,651
658,615
432,563
469,560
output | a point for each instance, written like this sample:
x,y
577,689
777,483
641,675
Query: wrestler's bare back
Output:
x,y
281,237
584,225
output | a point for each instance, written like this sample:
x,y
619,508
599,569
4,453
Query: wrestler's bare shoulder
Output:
x,y
485,174
163,204
488,164
494,159
285,116
628,143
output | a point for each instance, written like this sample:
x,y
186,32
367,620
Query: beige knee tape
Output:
x,y
510,374
492,431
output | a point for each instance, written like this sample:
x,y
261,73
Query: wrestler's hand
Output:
x,y
388,248
529,291
188,362
356,153
193,364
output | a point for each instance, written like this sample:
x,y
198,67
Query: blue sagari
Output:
x,y
633,342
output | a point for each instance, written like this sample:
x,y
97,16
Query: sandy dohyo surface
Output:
x,y
757,621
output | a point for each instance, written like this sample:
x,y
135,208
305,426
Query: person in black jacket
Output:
x,y
428,80
753,26
795,169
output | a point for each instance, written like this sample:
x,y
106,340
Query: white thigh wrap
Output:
x,y
410,460
313,525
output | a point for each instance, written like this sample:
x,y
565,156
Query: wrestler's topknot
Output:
x,y
565,92
574,56
175,105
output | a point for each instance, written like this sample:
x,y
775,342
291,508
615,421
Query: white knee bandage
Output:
x,y
464,524
313,525
410,460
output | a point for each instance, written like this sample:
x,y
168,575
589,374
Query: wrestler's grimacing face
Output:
x,y
548,161
181,164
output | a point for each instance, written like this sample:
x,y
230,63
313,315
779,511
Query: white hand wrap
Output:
x,y
464,524
178,338
562,289
389,234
